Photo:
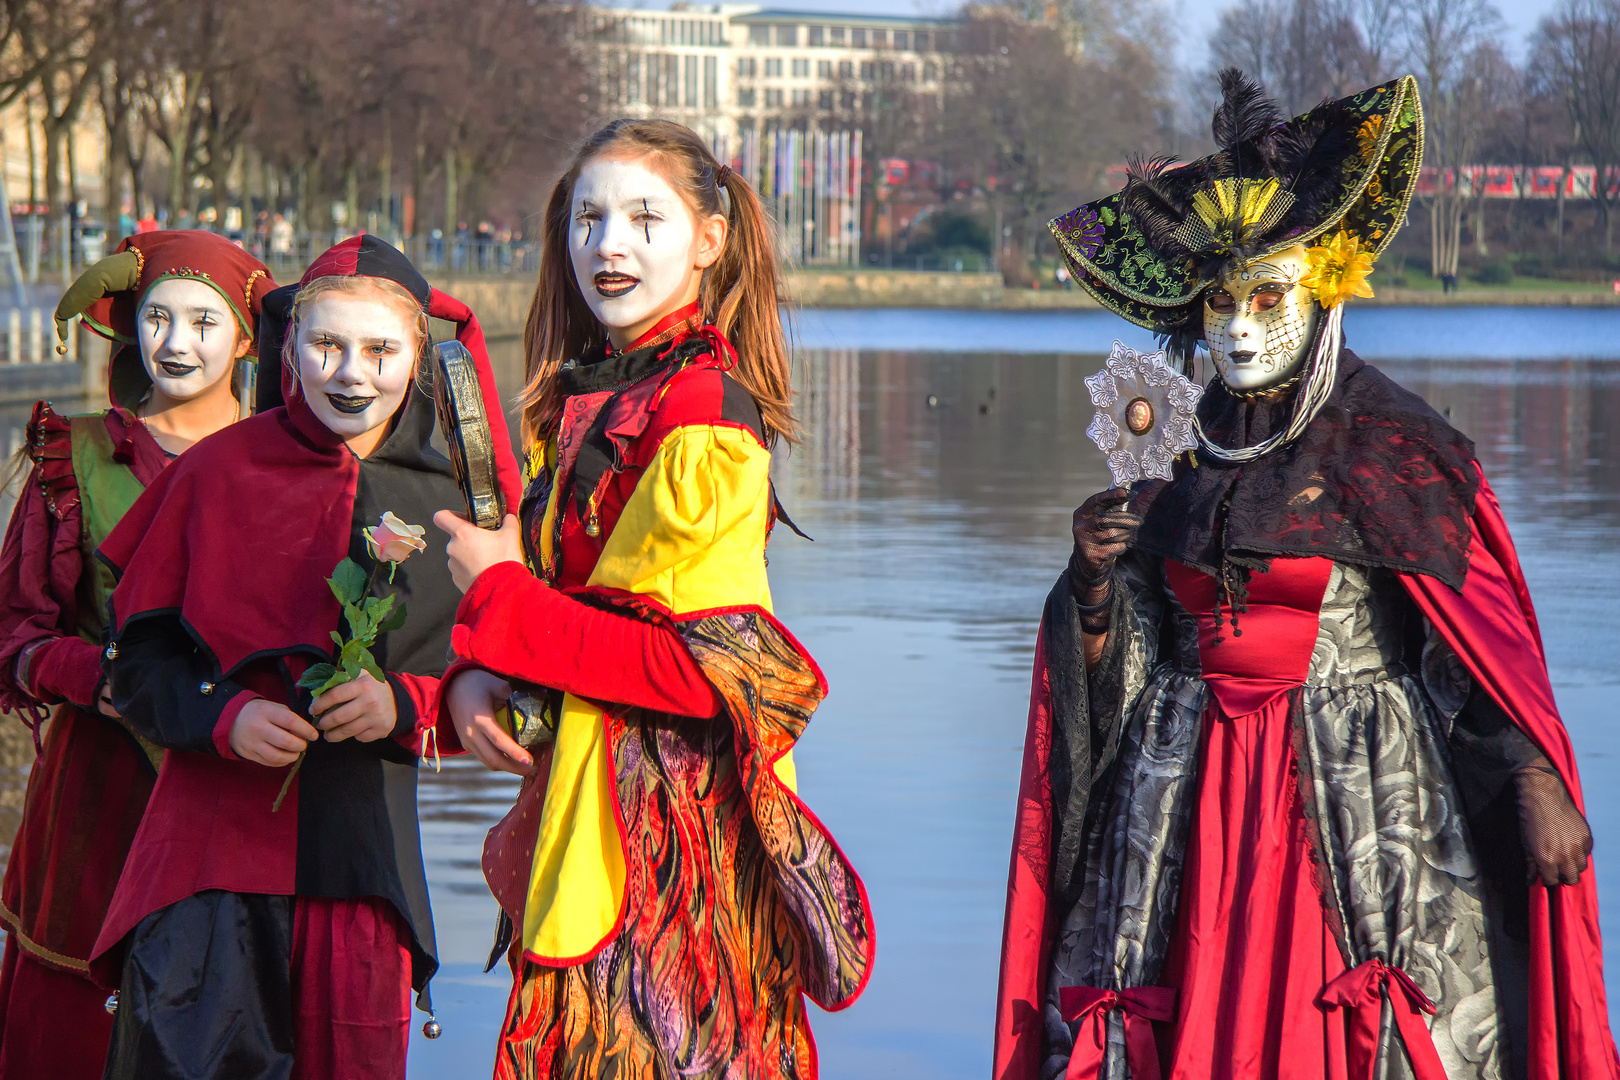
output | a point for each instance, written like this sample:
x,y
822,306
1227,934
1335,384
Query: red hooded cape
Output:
x,y
1491,625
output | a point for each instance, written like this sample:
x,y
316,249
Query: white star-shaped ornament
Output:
x,y
1144,414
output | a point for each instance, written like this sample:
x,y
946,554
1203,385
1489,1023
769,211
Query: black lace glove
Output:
x,y
1103,528
1557,841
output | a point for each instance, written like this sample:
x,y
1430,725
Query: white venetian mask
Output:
x,y
357,357
189,337
1259,321
636,248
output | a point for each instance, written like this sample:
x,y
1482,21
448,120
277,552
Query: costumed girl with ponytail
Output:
x,y
180,309
273,915
1296,798
667,897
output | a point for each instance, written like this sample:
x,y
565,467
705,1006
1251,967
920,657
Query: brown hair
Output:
x,y
740,292
392,291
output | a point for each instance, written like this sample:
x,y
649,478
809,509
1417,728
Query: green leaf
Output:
x,y
317,675
379,606
338,679
395,620
337,639
376,672
359,625
348,582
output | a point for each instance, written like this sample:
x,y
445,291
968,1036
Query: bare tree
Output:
x,y
1451,45
1577,50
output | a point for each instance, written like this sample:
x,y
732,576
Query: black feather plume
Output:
x,y
1311,162
1155,207
1245,115
1245,112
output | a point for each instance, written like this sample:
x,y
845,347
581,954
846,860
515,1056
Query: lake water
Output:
x,y
938,530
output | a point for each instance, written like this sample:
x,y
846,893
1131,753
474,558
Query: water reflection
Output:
x,y
938,484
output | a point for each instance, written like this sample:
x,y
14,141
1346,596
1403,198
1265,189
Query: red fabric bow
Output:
x,y
1139,1005
1361,989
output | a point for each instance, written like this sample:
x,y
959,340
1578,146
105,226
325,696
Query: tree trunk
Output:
x,y
450,193
385,174
1481,245
351,198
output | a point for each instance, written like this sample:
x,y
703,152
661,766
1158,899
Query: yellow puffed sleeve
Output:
x,y
692,535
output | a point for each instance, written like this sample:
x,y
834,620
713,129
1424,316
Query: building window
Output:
x,y
801,98
887,69
745,97
818,36
867,100
711,82
672,80
747,67
857,38
825,104
824,69
846,69
787,35
773,99
846,100
689,72
920,40
632,78
835,35
902,40
930,72
868,70
880,38
908,72
801,69
773,67
759,35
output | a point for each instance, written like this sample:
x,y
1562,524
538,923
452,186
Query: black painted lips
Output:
x,y
350,405
613,285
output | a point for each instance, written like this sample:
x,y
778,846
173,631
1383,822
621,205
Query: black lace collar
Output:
x,y
1378,479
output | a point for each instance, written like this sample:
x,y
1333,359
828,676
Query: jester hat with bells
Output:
x,y
110,293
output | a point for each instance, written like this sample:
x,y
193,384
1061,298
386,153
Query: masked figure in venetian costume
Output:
x,y
668,899
273,917
180,308
1296,799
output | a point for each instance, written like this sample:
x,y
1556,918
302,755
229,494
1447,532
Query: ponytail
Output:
x,y
741,293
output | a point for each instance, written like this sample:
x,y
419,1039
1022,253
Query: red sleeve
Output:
x,y
40,564
1491,626
414,697
1025,940
517,626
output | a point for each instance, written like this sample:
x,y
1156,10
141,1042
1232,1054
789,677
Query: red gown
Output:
x,y
91,781
1252,953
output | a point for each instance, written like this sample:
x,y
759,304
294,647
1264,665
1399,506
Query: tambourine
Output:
x,y
459,400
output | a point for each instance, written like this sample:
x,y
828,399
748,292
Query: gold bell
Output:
x,y
593,527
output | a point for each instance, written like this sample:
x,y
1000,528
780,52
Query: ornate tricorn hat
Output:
x,y
1350,166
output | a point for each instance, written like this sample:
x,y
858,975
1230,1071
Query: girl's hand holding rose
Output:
x,y
270,734
362,709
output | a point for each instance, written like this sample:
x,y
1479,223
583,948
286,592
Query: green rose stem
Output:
x,y
368,618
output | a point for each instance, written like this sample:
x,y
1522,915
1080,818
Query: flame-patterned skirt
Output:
x,y
701,980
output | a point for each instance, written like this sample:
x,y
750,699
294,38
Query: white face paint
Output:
x,y
356,358
1258,322
188,337
634,245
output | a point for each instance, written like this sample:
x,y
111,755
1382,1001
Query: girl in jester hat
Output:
x,y
1296,797
668,898
179,307
270,629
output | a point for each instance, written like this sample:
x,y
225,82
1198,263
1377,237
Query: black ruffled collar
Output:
x,y
1378,479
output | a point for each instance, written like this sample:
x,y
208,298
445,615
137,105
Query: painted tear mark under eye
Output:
x,y
646,221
